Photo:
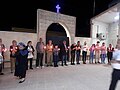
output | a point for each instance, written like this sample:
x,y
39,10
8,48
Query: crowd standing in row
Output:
x,y
20,54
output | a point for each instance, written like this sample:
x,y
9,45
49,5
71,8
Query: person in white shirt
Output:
x,y
115,62
84,52
31,50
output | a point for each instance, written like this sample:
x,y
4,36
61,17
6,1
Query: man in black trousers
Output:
x,y
73,49
115,62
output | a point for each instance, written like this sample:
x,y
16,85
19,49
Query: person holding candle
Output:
x,y
40,48
31,50
78,51
97,53
84,52
92,49
13,50
49,50
56,55
73,49
103,53
64,51
2,47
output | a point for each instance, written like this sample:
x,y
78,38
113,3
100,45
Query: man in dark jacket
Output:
x,y
64,51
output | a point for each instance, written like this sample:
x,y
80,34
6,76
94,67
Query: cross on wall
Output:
x,y
58,8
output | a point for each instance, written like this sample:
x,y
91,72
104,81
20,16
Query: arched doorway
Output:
x,y
57,34
46,18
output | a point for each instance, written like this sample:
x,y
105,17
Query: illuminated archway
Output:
x,y
57,32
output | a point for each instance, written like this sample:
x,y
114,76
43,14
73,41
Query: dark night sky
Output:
x,y
23,13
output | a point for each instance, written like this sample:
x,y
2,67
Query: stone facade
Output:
x,y
46,18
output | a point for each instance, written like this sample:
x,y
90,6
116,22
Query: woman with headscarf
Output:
x,y
21,58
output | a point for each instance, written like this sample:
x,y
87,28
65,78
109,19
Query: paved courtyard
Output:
x,y
76,77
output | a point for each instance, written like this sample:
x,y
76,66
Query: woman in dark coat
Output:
x,y
21,60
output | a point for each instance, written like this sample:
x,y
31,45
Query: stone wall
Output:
x,y
46,18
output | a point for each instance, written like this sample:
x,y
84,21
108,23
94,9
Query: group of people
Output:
x,y
96,52
21,54
60,52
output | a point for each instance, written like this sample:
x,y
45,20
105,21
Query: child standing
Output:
x,y
56,55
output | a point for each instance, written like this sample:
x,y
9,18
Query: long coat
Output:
x,y
21,60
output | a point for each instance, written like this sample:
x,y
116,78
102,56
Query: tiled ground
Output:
x,y
77,77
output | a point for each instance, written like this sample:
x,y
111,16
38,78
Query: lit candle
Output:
x,y
51,47
44,47
78,47
68,47
58,48
11,49
4,50
96,46
15,47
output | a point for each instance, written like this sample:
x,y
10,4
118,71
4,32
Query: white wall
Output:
x,y
7,38
113,32
99,27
